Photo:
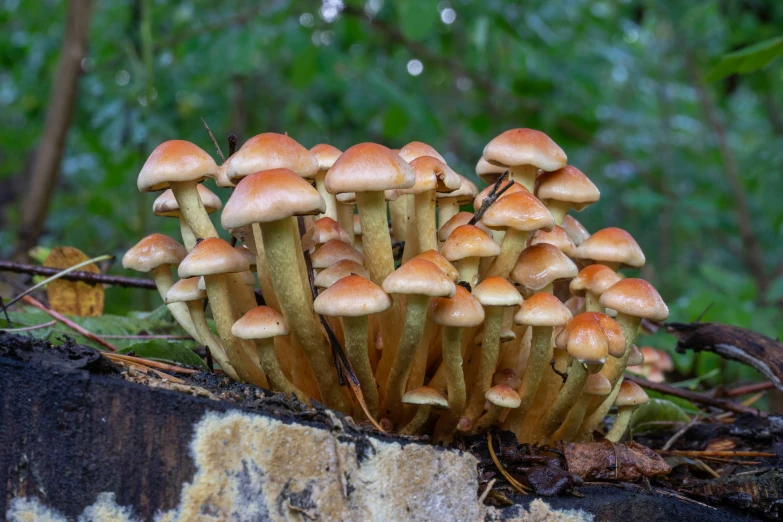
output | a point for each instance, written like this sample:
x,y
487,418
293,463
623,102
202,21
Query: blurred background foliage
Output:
x,y
636,92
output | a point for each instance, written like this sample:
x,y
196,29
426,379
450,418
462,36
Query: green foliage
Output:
x,y
658,414
162,350
748,59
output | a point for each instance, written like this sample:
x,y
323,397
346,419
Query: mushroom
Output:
x,y
556,237
441,262
166,205
461,218
501,397
333,251
591,282
324,230
575,230
425,398
401,210
524,151
631,395
466,245
326,155
354,298
269,151
566,188
541,265
488,172
418,280
262,324
449,202
343,268
597,385
613,247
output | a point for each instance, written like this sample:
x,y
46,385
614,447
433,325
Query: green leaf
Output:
x,y
775,290
161,350
417,18
657,414
395,123
747,59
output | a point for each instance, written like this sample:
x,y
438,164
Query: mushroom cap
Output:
x,y
369,167
597,384
247,277
175,161
569,185
469,241
504,396
432,174
637,357
517,147
488,172
613,245
249,255
631,394
507,376
212,256
357,225
330,275
481,196
595,279
323,230
635,297
185,290
270,151
464,194
333,251
557,237
521,211
541,264
590,337
497,291
153,251
270,195
576,304
325,155
352,296
462,310
425,396
166,204
260,322
416,149
221,178
575,230
542,309
419,277
460,218
433,256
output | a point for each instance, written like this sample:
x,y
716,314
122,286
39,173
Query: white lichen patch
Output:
x,y
105,509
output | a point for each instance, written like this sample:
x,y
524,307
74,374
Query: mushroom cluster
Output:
x,y
513,315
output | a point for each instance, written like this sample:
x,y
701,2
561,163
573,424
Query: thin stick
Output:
x,y
232,144
87,277
486,491
5,312
28,328
752,400
493,196
729,461
58,275
143,337
750,388
694,453
706,468
511,480
680,433
149,362
214,141
67,322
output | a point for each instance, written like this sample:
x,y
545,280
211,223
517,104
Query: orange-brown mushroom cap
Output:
x,y
432,174
153,251
593,278
419,277
521,211
369,167
166,204
557,237
542,309
325,155
612,245
575,230
497,291
185,290
590,337
175,161
469,241
568,185
504,396
333,251
542,264
260,322
517,147
461,218
462,310
343,268
416,149
433,256
635,297
269,151
212,256
352,296
631,394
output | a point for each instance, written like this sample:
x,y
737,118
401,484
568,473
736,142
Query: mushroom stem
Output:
x,y
415,317
192,209
621,423
278,381
163,280
592,304
331,201
540,355
196,309
525,175
447,209
455,383
468,268
514,243
570,427
418,421
398,210
188,239
256,244
595,418
411,248
356,332
566,399
416,375
280,249
425,220
489,419
375,235
345,219
490,347
558,209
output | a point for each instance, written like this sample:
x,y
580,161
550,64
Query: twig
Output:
x,y
750,401
486,491
706,468
493,196
5,312
232,144
70,324
695,397
729,461
149,362
750,388
694,453
214,141
511,480
151,336
28,328
77,275
681,432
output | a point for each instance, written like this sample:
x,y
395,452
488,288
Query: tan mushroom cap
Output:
x,y
513,189
635,297
542,309
507,376
175,161
462,310
166,204
568,185
249,255
557,237
221,178
504,396
247,277
185,290
593,278
325,155
425,396
461,218
575,304
433,256
637,357
270,195
464,194
575,230
542,264
333,251
497,291
153,251
587,337
352,296
323,230
416,149
488,172
521,211
260,322
631,394
525,147
330,275
432,174
419,277
212,256
597,384
369,167
270,151
612,245
469,241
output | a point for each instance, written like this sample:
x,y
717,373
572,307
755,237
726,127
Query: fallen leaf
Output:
x,y
162,350
604,460
73,297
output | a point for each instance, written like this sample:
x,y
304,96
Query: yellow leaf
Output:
x,y
73,297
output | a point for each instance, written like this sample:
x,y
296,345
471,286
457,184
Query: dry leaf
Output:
x,y
604,460
721,444
73,297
